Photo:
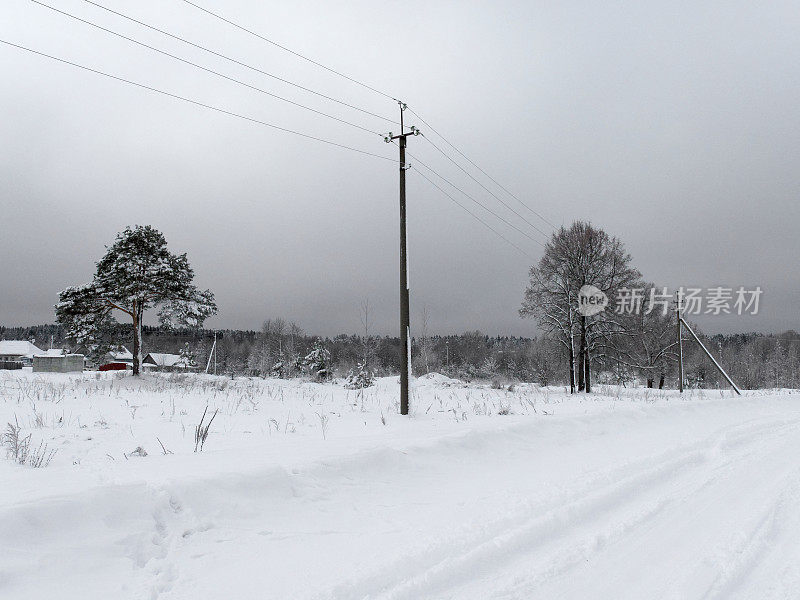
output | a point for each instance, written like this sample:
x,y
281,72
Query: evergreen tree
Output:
x,y
137,273
359,378
317,362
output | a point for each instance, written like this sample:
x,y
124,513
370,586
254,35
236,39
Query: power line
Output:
x,y
297,54
426,178
289,50
483,206
213,72
356,81
196,102
497,183
257,121
240,63
495,196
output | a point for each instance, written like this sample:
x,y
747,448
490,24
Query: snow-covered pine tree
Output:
x,y
189,355
317,363
359,378
137,273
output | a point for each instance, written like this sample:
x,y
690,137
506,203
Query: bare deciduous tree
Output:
x,y
574,257
368,342
644,339
426,352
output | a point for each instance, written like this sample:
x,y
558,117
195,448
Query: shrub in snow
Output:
x,y
489,368
19,449
323,423
505,408
359,378
201,431
466,372
278,369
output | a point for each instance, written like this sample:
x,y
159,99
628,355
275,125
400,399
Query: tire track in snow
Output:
x,y
743,558
619,486
682,576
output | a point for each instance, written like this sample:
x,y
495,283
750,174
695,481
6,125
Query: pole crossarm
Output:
x,y
414,131
391,137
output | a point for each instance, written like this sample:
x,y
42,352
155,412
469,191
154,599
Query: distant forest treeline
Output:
x,y
753,360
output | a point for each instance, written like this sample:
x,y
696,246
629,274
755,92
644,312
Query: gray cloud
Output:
x,y
672,125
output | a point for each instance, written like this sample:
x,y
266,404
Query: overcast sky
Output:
x,y
673,125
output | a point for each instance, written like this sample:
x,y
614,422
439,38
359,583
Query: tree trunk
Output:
x,y
571,367
587,366
582,357
137,339
649,382
570,323
661,381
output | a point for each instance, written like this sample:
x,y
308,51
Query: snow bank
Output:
x,y
437,379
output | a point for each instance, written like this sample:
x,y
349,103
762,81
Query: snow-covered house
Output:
x,y
166,361
120,353
17,351
118,358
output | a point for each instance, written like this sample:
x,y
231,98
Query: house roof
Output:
x,y
18,348
52,352
121,353
165,360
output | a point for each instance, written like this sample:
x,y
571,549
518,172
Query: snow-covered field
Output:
x,y
314,491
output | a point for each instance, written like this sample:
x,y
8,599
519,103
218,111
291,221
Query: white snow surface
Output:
x,y
479,494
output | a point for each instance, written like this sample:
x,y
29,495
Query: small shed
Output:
x,y
115,366
58,363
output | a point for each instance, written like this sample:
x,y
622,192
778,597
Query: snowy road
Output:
x,y
697,522
602,499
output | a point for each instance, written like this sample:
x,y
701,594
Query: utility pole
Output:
x,y
680,343
405,319
213,355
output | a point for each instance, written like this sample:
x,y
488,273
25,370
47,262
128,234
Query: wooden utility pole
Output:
x,y
680,343
405,318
